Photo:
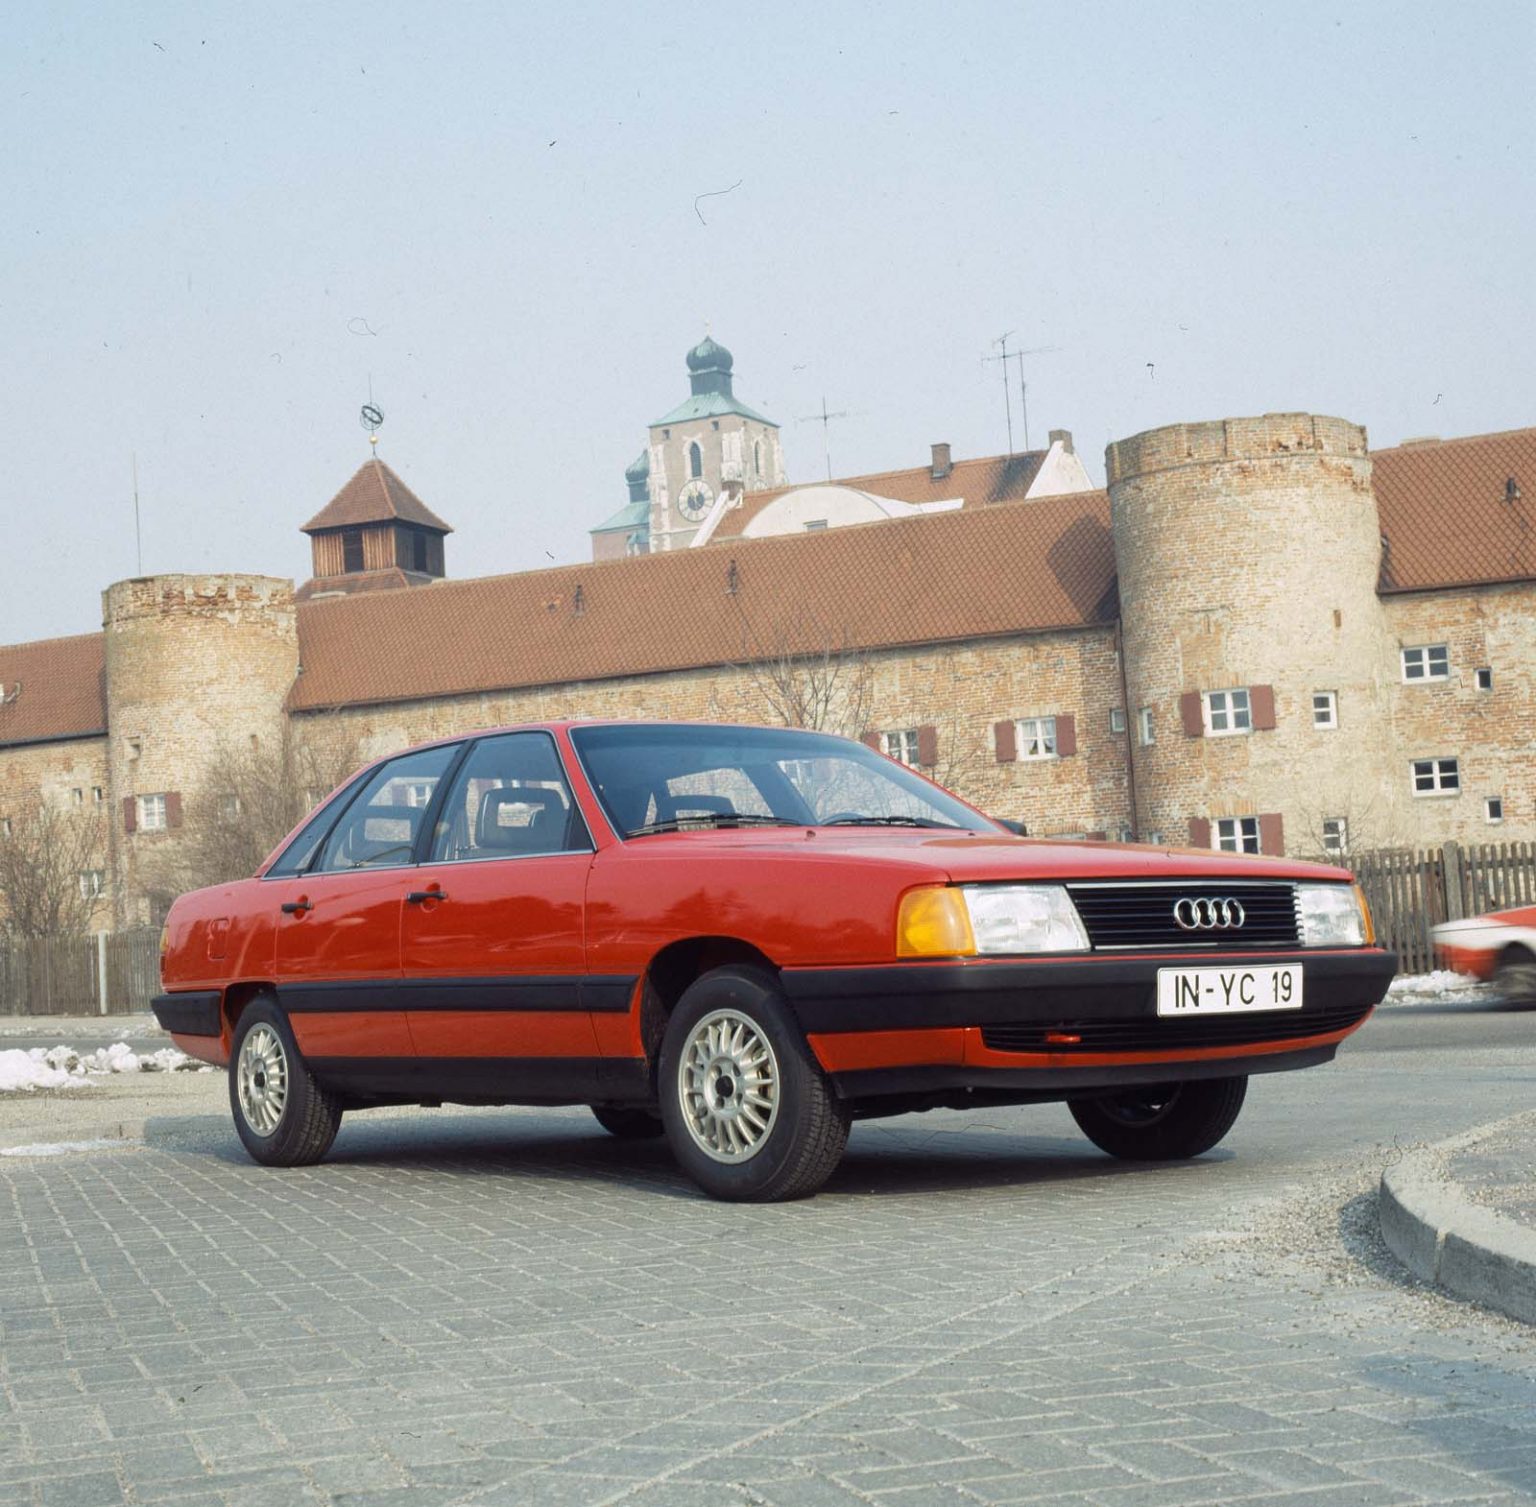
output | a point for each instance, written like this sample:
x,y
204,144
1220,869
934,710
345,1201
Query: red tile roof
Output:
x,y
374,495
989,479
53,688
949,576
1445,515
392,578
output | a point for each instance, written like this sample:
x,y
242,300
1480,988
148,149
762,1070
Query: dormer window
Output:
x,y
351,550
695,459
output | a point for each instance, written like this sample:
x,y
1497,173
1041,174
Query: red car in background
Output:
x,y
745,938
1499,948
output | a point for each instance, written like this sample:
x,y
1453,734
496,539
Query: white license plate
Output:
x,y
1227,991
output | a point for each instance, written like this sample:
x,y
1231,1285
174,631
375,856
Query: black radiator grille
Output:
x,y
1130,916
1153,1034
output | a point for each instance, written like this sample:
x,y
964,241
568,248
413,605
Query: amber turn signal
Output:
x,y
1365,916
934,923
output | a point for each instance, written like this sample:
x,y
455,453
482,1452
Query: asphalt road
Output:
x,y
488,1307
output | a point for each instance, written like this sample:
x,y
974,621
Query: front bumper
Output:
x,y
1042,1028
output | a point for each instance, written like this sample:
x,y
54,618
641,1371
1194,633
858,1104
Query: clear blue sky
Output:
x,y
220,221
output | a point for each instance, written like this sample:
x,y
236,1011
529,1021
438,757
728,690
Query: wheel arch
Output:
x,y
673,968
236,998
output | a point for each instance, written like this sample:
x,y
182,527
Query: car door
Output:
x,y
338,921
491,938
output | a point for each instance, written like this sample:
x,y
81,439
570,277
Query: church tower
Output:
x,y
707,452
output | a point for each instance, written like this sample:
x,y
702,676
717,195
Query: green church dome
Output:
x,y
709,355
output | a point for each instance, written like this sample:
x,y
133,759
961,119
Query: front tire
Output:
x,y
282,1116
749,1113
1161,1122
1515,978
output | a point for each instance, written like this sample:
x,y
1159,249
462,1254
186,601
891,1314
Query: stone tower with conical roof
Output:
x,y
706,452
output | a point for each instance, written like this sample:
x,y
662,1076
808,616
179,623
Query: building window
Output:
x,y
1155,838
901,745
1493,809
1485,679
151,813
92,882
1227,712
1117,719
351,551
1145,728
1325,708
757,457
714,424
1036,737
1436,777
815,525
1235,834
695,459
77,797
5,826
419,551
1427,662
229,808
135,747
1124,834
1335,836
98,795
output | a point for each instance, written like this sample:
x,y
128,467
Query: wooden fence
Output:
x,y
109,973
1411,891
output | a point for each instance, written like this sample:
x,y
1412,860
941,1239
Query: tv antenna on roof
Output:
x,y
825,420
1003,359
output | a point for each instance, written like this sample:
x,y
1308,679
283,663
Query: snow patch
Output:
x,y
1442,984
64,1067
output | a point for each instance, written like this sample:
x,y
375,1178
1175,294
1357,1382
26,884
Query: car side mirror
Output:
x,y
1017,828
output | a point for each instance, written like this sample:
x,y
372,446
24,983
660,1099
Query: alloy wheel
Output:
x,y
728,1086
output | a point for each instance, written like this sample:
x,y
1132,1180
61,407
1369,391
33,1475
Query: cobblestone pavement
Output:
x,y
511,1308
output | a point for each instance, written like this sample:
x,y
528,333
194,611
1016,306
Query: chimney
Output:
x,y
941,463
1065,436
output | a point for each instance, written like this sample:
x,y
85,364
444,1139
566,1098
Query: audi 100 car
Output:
x,y
1499,948
744,939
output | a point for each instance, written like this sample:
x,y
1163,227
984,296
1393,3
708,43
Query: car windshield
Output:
x,y
684,777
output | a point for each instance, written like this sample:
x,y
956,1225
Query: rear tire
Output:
x,y
628,1123
1515,978
283,1117
748,1112
1161,1122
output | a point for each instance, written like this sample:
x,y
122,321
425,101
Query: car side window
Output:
x,y
379,828
509,800
297,854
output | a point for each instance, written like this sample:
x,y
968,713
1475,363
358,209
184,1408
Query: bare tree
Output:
x,y
806,673
251,798
50,867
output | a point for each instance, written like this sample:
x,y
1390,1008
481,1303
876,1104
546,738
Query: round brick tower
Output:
x,y
1248,553
194,663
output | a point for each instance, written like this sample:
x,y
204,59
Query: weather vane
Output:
x,y
371,418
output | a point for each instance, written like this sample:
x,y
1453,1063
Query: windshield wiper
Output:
x,y
891,821
713,819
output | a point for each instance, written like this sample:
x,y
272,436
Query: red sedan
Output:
x,y
744,939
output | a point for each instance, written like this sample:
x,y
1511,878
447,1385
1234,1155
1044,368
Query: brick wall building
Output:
x,y
1262,636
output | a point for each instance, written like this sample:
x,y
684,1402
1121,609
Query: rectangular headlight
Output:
x,y
1024,918
1330,916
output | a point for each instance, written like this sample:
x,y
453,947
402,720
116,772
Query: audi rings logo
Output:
x,y
1206,914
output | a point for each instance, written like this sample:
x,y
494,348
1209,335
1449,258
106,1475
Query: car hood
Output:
x,y
981,858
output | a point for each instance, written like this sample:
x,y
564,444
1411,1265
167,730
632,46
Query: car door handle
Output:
x,y
417,896
296,907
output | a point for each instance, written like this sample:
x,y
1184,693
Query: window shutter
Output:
x,y
130,814
1098,836
871,740
173,808
1189,711
1199,832
1005,737
1066,737
1272,835
928,746
1261,706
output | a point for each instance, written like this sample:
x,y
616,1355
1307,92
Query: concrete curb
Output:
x,y
1442,1237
